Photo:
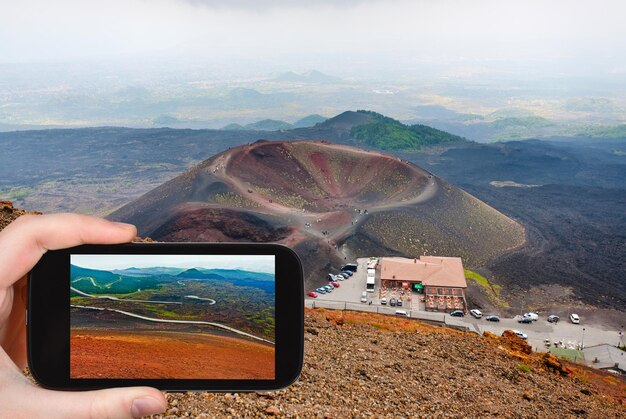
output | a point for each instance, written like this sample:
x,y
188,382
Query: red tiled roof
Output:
x,y
430,270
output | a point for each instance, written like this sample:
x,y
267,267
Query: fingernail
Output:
x,y
125,226
146,406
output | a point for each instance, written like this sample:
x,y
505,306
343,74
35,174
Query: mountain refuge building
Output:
x,y
440,279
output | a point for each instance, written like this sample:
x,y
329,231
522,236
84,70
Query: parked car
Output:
x,y
321,290
532,316
334,284
329,288
364,297
399,303
350,267
383,301
330,277
344,275
553,319
393,302
457,313
349,273
402,313
311,294
521,334
574,318
476,313
492,318
525,320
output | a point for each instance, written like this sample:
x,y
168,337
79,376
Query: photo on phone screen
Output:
x,y
159,316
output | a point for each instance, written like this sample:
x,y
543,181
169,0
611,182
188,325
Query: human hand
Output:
x,y
22,243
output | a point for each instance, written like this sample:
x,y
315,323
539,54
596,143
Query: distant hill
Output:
x,y
196,274
157,270
238,277
347,120
441,113
94,281
309,121
234,127
98,275
269,125
312,76
277,125
524,122
242,93
264,125
617,131
165,121
389,134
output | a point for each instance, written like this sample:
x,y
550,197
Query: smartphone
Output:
x,y
175,316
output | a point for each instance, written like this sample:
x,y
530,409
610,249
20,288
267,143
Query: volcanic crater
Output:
x,y
327,201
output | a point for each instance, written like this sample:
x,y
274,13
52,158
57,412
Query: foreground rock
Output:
x,y
8,213
359,364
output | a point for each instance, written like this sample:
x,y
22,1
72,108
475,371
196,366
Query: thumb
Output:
x,y
132,402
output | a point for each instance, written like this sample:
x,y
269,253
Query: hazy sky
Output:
x,y
41,30
256,263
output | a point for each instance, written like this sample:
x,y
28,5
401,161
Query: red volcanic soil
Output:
x,y
161,354
324,177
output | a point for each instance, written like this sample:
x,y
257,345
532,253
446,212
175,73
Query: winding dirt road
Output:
x,y
153,319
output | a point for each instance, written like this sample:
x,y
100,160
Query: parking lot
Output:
x,y
348,296
350,290
565,331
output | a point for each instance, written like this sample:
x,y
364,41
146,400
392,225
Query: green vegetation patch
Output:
x,y
525,368
492,290
571,354
16,193
389,134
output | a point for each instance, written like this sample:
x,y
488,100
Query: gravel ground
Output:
x,y
359,364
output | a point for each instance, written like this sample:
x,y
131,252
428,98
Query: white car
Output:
x,y
521,334
574,318
532,316
476,313
364,297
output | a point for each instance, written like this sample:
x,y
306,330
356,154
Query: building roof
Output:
x,y
607,356
429,270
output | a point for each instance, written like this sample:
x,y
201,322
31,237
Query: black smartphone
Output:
x,y
176,316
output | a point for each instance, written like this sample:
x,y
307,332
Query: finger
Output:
x,y
131,402
24,240
13,323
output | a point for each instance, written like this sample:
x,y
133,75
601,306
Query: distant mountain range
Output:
x,y
131,279
275,125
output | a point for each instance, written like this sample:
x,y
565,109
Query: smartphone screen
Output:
x,y
176,316
158,316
